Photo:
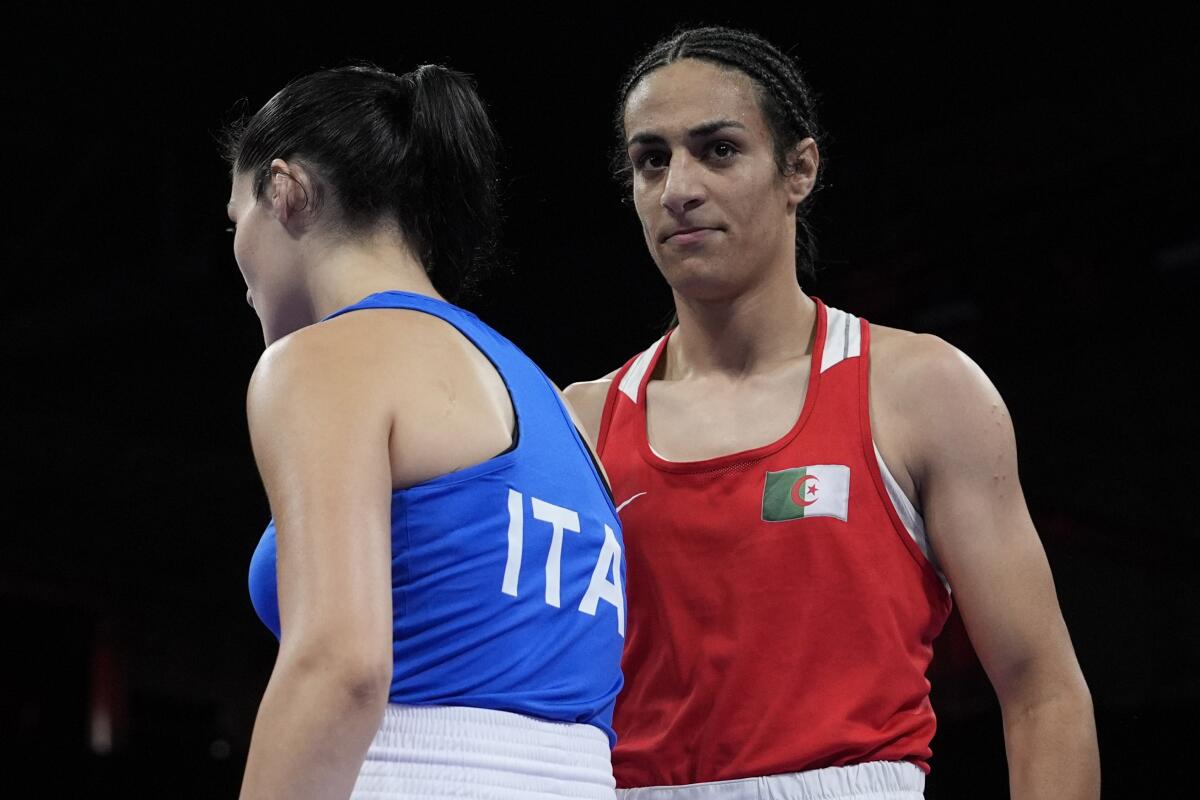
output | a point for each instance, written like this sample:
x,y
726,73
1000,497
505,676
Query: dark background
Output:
x,y
1023,186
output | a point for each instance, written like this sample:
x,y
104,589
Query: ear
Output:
x,y
291,190
801,176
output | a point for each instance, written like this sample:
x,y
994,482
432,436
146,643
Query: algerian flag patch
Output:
x,y
822,490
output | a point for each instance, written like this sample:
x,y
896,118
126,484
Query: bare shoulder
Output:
x,y
919,367
321,369
586,401
367,362
405,380
945,402
347,348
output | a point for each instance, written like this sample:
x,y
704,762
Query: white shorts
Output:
x,y
874,780
453,751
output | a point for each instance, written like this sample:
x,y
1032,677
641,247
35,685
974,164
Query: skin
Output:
x,y
341,414
735,373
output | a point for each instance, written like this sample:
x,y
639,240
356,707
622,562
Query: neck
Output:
x,y
754,331
346,272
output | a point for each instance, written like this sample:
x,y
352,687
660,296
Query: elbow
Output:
x,y
1032,691
357,679
366,684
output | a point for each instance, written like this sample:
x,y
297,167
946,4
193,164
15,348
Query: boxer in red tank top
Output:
x,y
790,555
800,490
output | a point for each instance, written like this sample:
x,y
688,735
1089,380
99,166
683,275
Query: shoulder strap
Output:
x,y
610,402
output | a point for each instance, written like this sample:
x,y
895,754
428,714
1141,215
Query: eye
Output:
x,y
722,150
651,160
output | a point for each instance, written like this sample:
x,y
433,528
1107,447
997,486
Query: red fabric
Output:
x,y
753,647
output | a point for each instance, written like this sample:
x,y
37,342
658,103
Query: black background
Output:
x,y
1023,186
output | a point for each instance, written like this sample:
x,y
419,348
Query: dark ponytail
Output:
x,y
416,151
451,170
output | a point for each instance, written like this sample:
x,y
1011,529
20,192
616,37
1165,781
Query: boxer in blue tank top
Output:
x,y
443,568
507,576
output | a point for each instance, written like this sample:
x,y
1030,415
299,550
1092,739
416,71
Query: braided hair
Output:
x,y
787,103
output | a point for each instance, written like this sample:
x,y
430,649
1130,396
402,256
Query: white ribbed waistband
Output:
x,y
874,780
455,751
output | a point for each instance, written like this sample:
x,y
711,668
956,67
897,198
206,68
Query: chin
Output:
x,y
700,277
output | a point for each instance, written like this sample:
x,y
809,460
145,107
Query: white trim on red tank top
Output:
x,y
843,339
632,381
914,523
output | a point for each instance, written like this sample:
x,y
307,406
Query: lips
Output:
x,y
692,233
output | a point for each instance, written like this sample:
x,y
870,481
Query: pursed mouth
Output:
x,y
686,231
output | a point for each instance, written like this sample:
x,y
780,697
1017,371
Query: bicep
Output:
x,y
323,455
982,533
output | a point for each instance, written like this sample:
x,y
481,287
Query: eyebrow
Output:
x,y
700,131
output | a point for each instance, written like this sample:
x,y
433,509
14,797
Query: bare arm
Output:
x,y
322,450
961,455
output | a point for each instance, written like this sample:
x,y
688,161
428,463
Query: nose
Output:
x,y
683,189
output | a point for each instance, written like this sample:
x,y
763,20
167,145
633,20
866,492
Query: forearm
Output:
x,y
311,734
1051,746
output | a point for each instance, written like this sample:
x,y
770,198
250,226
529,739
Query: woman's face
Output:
x,y
714,209
266,253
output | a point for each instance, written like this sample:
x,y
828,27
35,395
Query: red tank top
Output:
x,y
782,606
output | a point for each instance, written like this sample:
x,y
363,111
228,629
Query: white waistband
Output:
x,y
454,751
874,780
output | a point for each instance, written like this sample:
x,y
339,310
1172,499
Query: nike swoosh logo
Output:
x,y
630,500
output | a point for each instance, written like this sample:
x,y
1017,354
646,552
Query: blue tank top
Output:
x,y
508,576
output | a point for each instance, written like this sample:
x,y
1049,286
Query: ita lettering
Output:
x,y
558,522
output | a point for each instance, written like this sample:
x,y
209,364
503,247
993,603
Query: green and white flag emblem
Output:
x,y
822,490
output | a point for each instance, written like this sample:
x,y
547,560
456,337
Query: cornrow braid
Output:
x,y
788,104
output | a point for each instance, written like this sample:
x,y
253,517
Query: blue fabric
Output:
x,y
474,563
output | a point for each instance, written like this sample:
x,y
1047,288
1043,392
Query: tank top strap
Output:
x,y
838,354
843,337
628,387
